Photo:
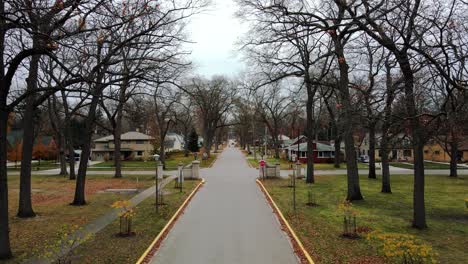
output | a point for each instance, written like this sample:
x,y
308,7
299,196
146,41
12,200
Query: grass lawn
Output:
x,y
35,166
172,161
427,165
285,164
106,247
319,227
51,198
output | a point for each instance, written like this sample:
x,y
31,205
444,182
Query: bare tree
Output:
x,y
213,99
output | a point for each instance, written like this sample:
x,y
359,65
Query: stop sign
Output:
x,y
262,163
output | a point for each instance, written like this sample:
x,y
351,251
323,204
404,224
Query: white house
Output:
x,y
174,142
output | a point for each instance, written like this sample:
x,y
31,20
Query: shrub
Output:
x,y
126,216
349,219
402,248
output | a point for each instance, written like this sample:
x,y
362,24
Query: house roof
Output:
x,y
319,147
16,136
132,135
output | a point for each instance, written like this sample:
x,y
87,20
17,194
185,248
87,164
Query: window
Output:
x,y
407,153
140,142
426,151
303,154
436,152
139,153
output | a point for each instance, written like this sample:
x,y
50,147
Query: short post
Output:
x,y
156,159
278,170
298,169
160,170
262,165
196,169
180,180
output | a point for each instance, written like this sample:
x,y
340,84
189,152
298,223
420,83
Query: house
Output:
x,y
174,142
400,148
434,151
323,152
134,145
44,147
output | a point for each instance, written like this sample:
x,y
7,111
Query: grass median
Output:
x,y
51,196
107,247
319,227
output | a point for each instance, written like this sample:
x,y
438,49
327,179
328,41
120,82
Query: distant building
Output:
x,y
134,145
174,142
44,147
434,151
323,152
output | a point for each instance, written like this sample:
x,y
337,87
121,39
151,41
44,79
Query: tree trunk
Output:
x,y
207,140
25,209
354,189
80,198
5,249
372,174
69,137
71,159
57,128
62,159
453,159
386,187
310,177
117,154
337,161
419,210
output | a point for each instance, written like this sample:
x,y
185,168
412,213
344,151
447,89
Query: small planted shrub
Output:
x,y
349,219
402,248
311,200
126,216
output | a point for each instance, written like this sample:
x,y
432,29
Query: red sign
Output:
x,y
262,163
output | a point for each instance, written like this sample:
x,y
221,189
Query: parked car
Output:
x,y
363,159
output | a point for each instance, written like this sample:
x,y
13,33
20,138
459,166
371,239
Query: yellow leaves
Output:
x,y
402,248
346,207
125,205
121,204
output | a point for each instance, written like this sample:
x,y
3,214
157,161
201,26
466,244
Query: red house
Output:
x,y
323,152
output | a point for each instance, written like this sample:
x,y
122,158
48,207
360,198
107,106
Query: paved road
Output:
x,y
228,221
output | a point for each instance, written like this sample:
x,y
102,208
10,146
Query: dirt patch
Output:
x,y
64,192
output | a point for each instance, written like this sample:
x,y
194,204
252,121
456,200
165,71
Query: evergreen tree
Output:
x,y
193,142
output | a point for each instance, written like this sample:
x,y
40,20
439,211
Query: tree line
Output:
x,y
331,68
75,68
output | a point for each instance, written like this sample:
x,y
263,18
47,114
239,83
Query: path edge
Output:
x,y
299,249
154,246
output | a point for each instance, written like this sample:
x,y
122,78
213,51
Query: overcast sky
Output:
x,y
215,33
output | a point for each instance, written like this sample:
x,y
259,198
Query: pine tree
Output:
x,y
193,142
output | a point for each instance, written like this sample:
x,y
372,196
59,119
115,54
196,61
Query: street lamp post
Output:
x,y
156,159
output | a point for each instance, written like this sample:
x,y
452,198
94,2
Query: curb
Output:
x,y
150,252
298,248
216,158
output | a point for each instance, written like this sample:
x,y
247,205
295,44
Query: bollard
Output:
x,y
160,171
298,170
196,169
